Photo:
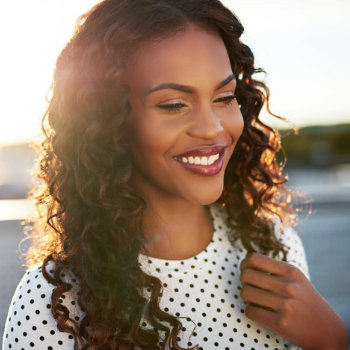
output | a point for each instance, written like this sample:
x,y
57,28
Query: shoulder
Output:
x,y
292,241
30,323
286,234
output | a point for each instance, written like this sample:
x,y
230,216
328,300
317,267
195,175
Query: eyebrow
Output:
x,y
188,89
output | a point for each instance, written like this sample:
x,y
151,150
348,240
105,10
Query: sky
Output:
x,y
304,46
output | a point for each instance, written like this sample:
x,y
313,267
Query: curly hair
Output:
x,y
90,214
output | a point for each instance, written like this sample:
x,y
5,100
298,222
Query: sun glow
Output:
x,y
308,78
32,35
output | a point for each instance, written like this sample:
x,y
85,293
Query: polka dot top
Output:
x,y
203,292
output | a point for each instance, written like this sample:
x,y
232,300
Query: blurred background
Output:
x,y
305,48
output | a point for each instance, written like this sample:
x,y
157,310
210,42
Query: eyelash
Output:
x,y
226,99
175,107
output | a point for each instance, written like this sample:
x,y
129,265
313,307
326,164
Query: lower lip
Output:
x,y
206,170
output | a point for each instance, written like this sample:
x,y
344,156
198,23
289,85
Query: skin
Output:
x,y
280,297
166,122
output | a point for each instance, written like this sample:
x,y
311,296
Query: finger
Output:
x,y
264,263
276,284
262,280
261,297
260,315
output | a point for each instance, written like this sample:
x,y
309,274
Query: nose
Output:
x,y
205,124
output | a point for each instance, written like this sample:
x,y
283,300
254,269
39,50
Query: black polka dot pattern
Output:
x,y
30,324
202,291
205,290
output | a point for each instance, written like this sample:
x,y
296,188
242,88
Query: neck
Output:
x,y
176,229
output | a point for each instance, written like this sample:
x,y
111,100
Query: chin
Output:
x,y
207,196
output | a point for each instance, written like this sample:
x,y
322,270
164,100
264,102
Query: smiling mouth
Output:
x,y
208,161
203,160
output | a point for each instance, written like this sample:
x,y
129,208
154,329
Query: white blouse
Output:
x,y
202,291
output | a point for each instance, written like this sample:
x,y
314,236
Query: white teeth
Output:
x,y
199,160
204,161
213,159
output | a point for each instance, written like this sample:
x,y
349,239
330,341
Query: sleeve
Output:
x,y
30,324
296,252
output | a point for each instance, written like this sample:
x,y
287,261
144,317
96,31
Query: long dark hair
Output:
x,y
94,214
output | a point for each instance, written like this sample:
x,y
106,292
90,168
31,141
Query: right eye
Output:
x,y
172,107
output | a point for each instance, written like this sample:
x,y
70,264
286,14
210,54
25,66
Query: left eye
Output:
x,y
226,99
173,107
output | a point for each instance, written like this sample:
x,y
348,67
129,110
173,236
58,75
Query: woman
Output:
x,y
159,180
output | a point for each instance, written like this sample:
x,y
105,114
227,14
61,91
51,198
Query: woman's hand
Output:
x,y
281,298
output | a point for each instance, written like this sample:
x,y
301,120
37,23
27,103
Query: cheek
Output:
x,y
234,124
148,139
240,124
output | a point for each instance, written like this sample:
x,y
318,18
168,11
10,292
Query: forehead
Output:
x,y
193,56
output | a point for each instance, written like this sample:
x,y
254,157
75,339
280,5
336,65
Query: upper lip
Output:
x,y
203,151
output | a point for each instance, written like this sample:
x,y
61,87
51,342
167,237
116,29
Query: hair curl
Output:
x,y
93,213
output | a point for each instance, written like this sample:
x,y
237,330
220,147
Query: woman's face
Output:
x,y
184,121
